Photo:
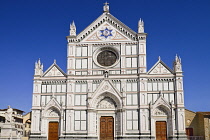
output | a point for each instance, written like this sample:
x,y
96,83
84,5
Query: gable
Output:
x,y
106,32
106,86
160,68
161,106
53,103
54,71
106,89
119,31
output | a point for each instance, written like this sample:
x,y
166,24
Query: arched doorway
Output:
x,y
162,118
106,108
53,117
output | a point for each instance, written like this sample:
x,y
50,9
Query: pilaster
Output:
x,y
142,63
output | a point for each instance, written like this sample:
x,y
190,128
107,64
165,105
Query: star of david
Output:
x,y
106,32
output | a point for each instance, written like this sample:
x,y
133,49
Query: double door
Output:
x,y
107,128
161,130
53,131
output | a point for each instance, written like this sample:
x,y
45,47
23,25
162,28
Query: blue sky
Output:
x,y
30,30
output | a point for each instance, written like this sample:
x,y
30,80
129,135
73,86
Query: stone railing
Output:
x,y
195,138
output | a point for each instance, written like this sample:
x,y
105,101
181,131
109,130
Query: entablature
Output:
x,y
91,77
54,82
160,79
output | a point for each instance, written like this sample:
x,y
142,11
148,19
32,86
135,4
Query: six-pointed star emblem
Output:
x,y
106,32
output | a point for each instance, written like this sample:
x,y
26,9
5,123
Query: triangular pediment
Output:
x,y
106,86
161,101
161,106
52,103
106,32
160,68
54,71
106,28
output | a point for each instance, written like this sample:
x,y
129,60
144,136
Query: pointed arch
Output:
x,y
53,112
161,110
161,107
106,95
52,107
106,103
106,89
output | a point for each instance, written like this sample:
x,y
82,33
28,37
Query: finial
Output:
x,y
55,61
53,95
106,7
141,26
180,60
39,61
140,21
161,93
36,64
72,29
159,58
177,64
73,24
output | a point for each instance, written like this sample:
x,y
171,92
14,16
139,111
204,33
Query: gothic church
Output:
x,y
107,92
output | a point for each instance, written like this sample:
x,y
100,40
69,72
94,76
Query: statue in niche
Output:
x,y
106,74
8,115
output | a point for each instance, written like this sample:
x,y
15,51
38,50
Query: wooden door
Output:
x,y
189,131
53,131
161,130
107,128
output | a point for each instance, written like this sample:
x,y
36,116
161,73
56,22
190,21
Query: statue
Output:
x,y
8,115
106,74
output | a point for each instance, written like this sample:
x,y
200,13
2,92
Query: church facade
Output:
x,y
107,92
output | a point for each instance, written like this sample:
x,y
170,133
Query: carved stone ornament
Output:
x,y
106,87
106,103
106,32
160,111
52,113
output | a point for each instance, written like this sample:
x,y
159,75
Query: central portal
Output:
x,y
161,130
106,128
53,131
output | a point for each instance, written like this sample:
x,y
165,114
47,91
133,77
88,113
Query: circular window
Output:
x,y
106,57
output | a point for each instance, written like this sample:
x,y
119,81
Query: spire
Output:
x,y
106,7
72,29
141,26
38,68
177,64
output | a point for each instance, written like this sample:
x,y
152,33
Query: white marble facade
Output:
x,y
107,76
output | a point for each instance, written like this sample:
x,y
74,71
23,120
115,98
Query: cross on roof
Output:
x,y
106,3
106,7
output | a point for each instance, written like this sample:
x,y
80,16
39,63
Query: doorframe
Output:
x,y
59,126
157,119
166,128
48,128
104,113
